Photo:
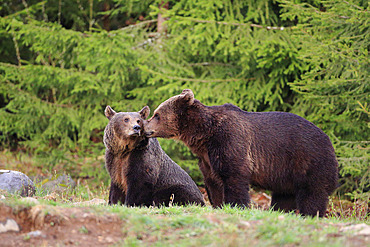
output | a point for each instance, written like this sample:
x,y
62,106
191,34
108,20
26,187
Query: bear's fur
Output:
x,y
141,172
277,151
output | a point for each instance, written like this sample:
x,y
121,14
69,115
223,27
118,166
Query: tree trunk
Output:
x,y
161,28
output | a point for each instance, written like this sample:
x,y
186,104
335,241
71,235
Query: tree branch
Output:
x,y
138,24
14,87
17,49
212,63
198,80
351,4
232,23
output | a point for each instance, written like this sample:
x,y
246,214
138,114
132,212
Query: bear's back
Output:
x,y
293,131
168,178
280,127
275,135
283,142
170,172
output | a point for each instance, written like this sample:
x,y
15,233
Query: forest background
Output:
x,y
63,61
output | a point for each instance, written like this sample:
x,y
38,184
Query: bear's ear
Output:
x,y
109,112
188,96
144,113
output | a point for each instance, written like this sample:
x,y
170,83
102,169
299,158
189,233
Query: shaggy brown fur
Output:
x,y
277,151
141,172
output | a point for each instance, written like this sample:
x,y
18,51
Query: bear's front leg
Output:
x,y
235,184
139,194
215,191
116,194
234,178
236,191
213,185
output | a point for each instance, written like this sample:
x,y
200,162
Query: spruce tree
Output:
x,y
61,63
334,89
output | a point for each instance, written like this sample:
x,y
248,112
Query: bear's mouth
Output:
x,y
149,133
134,134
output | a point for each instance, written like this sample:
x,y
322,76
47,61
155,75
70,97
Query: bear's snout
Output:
x,y
136,128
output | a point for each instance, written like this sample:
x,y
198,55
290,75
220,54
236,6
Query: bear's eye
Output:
x,y
126,120
138,121
156,116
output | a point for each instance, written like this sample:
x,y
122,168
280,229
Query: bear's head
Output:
x,y
166,118
125,129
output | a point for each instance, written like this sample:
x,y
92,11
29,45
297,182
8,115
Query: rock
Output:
x,y
30,200
109,240
365,231
3,194
9,225
37,214
281,217
35,234
245,223
16,182
59,183
95,201
359,229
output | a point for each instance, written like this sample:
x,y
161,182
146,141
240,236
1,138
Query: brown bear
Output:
x,y
141,172
277,151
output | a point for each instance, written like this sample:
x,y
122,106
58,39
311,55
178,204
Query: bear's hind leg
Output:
x,y
179,195
312,202
284,202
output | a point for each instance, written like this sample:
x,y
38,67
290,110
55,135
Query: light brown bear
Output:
x,y
141,173
277,151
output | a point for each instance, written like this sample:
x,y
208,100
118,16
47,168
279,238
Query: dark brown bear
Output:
x,y
141,172
277,151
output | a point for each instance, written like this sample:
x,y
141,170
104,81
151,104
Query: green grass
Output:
x,y
200,226
194,226
205,226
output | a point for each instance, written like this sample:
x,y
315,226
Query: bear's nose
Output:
x,y
136,127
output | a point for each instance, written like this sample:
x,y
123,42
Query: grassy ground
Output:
x,y
174,226
64,220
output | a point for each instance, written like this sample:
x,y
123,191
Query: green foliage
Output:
x,y
56,100
212,48
61,63
334,90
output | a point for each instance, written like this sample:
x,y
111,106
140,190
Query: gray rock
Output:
x,y
36,234
16,182
9,225
30,200
58,183
358,229
95,201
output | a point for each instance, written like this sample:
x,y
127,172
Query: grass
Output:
x,y
194,226
204,226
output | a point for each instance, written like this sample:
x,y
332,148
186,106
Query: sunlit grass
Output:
x,y
202,226
194,225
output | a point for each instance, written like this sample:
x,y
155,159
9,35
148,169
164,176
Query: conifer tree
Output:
x,y
61,63
334,90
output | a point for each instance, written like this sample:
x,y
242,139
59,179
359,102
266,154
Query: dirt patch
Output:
x,y
78,225
60,226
